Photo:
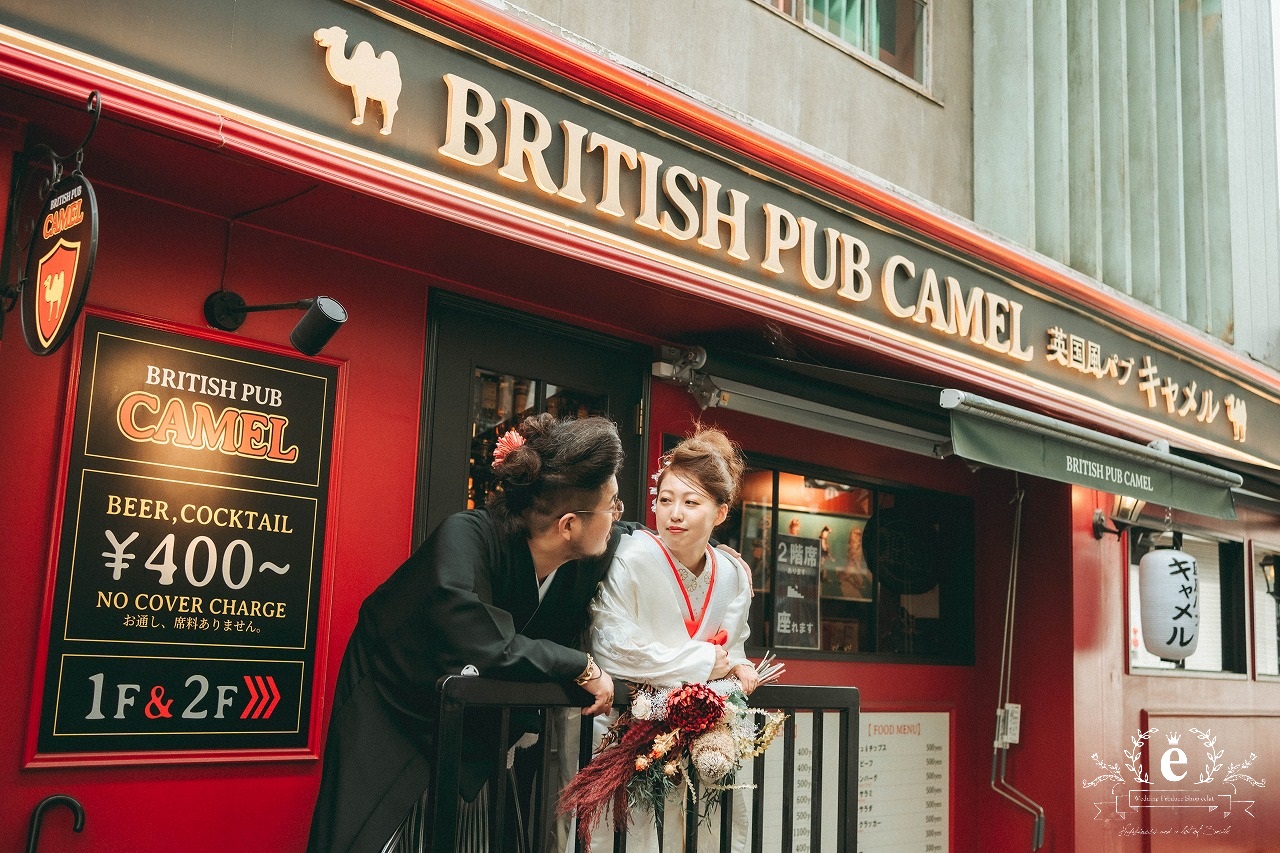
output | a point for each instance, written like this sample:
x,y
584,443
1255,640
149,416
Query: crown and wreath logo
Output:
x,y
1235,775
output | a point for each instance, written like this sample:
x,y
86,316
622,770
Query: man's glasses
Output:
x,y
617,508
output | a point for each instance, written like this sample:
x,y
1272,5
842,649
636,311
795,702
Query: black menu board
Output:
x,y
185,593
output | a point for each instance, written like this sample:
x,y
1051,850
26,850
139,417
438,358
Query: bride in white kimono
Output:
x,y
672,610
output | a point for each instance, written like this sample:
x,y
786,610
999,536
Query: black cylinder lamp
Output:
x,y
226,310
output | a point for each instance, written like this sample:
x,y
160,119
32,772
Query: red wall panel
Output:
x,y
1241,712
161,261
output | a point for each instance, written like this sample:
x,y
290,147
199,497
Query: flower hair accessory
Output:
x,y
511,440
664,462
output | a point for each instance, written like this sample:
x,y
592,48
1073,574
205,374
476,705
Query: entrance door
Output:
x,y
489,367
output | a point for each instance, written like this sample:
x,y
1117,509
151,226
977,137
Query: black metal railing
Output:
x,y
791,807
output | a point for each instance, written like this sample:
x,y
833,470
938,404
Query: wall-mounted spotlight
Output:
x,y
1268,566
1125,512
226,310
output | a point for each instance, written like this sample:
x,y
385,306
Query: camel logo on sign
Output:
x,y
55,277
1192,780
372,77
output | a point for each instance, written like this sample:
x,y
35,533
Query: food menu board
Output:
x,y
904,782
185,593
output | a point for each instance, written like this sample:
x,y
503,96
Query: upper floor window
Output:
x,y
890,32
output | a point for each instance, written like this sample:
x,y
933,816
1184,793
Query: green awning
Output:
x,y
1005,436
936,421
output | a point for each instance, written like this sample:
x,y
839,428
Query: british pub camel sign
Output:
x,y
62,245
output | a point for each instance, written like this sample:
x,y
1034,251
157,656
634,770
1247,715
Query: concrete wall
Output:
x,y
1135,143
764,67
1255,208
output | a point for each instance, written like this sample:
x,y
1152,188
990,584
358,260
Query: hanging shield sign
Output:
x,y
59,264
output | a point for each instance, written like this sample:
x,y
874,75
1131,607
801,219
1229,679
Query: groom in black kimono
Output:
x,y
505,590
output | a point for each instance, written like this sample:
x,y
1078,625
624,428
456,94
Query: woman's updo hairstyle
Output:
x,y
558,465
709,460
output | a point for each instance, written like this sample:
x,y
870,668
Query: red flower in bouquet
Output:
x,y
694,708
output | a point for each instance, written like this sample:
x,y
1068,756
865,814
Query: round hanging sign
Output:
x,y
1169,593
59,264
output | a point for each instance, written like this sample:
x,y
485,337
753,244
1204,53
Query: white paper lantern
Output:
x,y
1169,592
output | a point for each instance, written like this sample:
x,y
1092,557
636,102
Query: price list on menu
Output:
x,y
809,777
904,782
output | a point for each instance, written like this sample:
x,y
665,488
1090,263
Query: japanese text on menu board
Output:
x,y
904,782
190,550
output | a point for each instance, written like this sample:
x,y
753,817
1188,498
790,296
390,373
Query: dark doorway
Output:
x,y
487,368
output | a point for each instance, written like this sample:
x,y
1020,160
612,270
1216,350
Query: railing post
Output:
x,y
849,773
442,797
815,764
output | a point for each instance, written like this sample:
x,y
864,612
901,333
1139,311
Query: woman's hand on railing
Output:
x,y
601,688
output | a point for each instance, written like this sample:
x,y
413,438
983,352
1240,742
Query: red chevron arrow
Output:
x,y
275,697
262,699
253,698
262,691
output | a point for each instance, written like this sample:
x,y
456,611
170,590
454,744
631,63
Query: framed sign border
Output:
x,y
926,707
32,757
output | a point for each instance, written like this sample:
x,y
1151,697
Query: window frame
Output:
x,y
958,606
1235,612
1258,588
796,14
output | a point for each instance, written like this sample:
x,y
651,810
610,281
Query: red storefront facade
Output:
x,y
199,190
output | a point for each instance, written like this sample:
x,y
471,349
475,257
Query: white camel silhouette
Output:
x,y
369,76
53,285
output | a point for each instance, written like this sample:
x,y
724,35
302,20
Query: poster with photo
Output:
x,y
754,540
842,565
841,562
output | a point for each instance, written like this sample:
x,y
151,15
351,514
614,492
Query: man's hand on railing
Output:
x,y
600,687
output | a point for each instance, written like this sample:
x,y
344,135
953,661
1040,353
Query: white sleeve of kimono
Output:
x,y
627,651
736,617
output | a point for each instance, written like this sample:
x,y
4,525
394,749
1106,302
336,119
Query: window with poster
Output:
x,y
499,401
842,566
491,368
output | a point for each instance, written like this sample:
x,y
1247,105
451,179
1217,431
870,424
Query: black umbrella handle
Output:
x,y
33,836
